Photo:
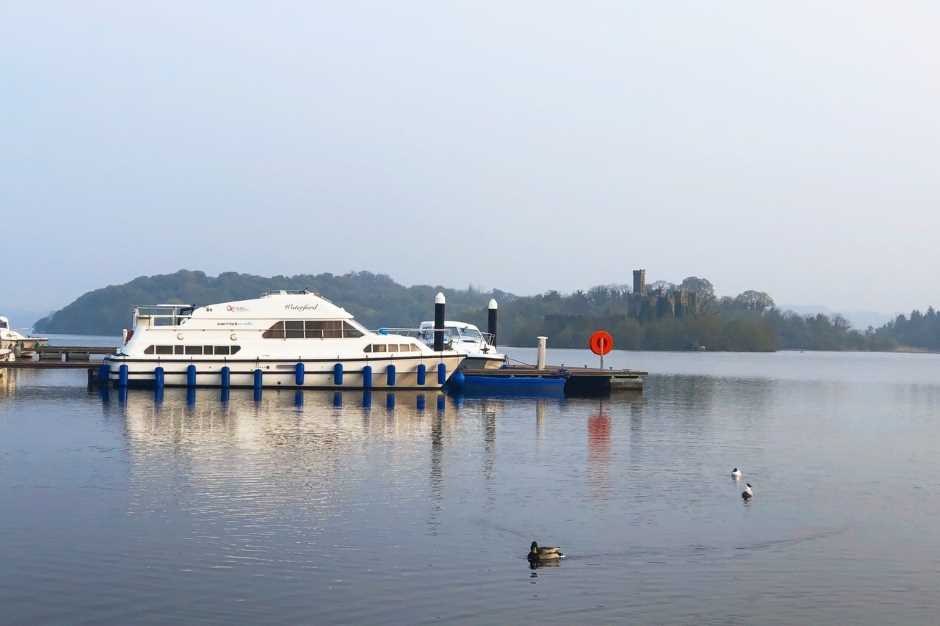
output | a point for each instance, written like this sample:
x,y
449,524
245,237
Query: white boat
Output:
x,y
467,339
295,339
17,343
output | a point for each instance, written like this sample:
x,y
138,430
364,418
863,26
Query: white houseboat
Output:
x,y
294,339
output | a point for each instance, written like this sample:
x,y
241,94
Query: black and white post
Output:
x,y
439,302
491,321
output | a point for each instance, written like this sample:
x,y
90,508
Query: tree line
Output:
x,y
665,317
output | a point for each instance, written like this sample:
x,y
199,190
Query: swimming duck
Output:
x,y
736,474
748,492
545,553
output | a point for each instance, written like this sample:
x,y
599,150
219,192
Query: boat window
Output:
x,y
221,350
350,331
378,347
164,349
177,349
294,329
207,349
333,329
314,330
148,350
3,324
393,347
471,333
193,349
275,332
368,348
235,349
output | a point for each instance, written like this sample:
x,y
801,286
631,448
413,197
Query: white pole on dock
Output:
x,y
540,359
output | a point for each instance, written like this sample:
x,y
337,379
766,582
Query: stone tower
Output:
x,y
639,282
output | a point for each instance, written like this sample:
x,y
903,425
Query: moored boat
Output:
x,y
17,343
467,338
285,339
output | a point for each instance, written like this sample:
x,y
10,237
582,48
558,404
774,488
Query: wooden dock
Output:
x,y
88,358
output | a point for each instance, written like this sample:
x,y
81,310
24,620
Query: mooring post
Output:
x,y
439,303
491,321
540,359
104,374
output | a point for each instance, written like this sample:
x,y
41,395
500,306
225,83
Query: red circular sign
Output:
x,y
601,342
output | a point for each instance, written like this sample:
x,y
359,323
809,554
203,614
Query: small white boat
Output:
x,y
17,343
467,339
295,339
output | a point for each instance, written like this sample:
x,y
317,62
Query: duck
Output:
x,y
748,493
544,553
736,474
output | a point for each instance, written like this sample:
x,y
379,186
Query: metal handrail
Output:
x,y
418,333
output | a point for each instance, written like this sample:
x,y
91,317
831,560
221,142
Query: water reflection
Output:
x,y
348,512
598,428
7,381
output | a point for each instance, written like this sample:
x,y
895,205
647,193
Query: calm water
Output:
x,y
122,511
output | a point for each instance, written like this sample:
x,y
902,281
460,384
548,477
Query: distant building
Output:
x,y
639,282
662,302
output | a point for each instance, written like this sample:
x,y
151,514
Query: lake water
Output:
x,y
296,510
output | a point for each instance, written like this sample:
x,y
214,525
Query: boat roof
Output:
x,y
284,305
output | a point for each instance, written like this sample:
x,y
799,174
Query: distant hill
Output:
x,y
374,299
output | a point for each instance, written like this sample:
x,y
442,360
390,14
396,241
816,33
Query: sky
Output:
x,y
785,147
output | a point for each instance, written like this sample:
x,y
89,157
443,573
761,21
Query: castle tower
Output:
x,y
639,282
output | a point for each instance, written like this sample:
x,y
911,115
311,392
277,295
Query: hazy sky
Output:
x,y
789,147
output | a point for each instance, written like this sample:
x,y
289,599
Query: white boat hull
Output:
x,y
318,374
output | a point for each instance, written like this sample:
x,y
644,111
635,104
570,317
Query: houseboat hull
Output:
x,y
316,373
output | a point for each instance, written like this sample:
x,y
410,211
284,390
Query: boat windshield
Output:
x,y
470,334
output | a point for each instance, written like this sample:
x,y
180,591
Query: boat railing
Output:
x,y
163,314
427,334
